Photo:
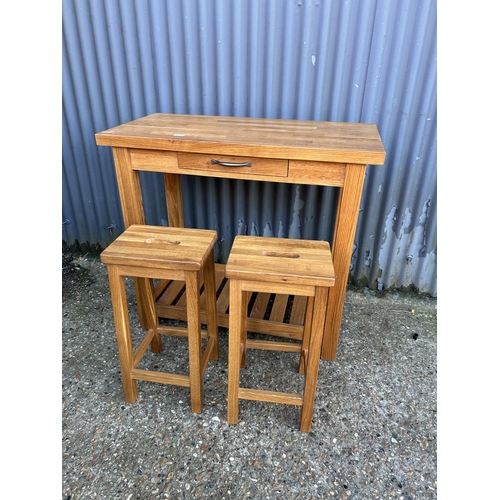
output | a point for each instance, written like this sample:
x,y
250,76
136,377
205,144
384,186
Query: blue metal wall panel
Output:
x,y
371,61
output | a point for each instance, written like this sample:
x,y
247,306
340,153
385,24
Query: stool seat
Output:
x,y
161,248
147,252
281,266
280,260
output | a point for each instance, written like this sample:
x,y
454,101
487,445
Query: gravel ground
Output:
x,y
374,433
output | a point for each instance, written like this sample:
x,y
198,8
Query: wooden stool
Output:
x,y
277,265
173,254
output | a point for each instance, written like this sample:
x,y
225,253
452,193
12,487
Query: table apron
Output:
x,y
317,173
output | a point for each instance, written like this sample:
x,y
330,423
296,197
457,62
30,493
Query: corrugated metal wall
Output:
x,y
366,60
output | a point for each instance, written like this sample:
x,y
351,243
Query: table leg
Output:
x,y
343,239
173,194
129,186
211,304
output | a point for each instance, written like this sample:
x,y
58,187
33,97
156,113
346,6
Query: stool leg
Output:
x,y
122,326
142,286
194,340
237,328
307,333
211,304
317,328
151,318
245,298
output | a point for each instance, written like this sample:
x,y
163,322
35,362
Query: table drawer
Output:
x,y
233,165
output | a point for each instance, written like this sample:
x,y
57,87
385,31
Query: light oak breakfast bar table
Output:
x,y
260,149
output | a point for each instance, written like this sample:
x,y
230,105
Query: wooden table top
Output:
x,y
261,137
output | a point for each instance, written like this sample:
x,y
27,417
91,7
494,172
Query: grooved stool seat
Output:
x,y
171,254
277,265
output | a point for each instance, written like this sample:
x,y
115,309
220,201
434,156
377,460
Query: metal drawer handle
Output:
x,y
230,164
